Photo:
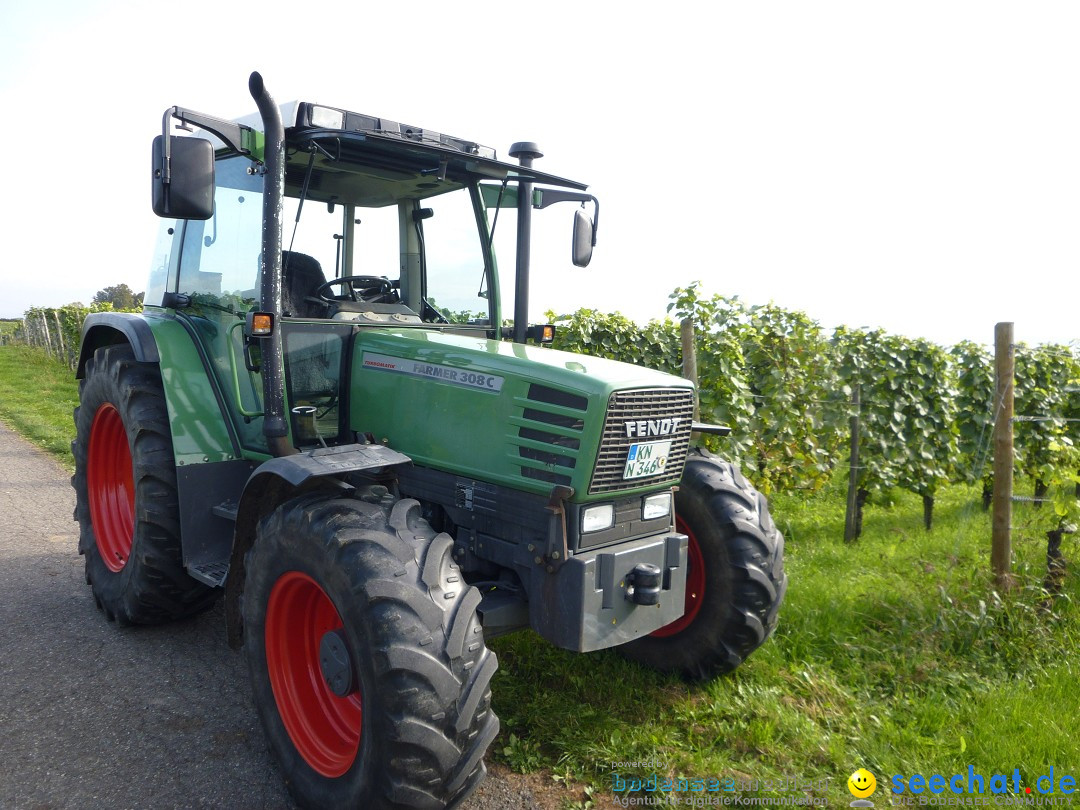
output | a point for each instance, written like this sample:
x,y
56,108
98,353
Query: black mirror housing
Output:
x,y
583,238
188,192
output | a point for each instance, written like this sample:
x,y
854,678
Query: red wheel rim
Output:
x,y
695,585
324,728
110,487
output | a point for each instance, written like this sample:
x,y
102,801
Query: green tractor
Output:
x,y
320,413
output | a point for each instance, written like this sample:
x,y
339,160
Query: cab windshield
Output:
x,y
420,257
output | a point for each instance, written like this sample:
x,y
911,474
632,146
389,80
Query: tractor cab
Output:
x,y
382,225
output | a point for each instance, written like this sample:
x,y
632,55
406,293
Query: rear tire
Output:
x,y
735,577
412,728
126,496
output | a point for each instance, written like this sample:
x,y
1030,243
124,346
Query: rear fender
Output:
x,y
113,328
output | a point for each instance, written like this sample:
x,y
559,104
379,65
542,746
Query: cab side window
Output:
x,y
220,261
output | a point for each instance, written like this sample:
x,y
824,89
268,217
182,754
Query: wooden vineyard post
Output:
x,y
851,521
60,336
689,359
1001,540
48,337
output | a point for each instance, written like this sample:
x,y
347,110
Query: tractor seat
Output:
x,y
302,276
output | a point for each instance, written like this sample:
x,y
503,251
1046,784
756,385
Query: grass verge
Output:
x,y
37,397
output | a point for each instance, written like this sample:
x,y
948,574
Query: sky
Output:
x,y
908,166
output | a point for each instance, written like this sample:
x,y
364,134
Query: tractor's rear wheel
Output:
x,y
125,494
367,657
735,574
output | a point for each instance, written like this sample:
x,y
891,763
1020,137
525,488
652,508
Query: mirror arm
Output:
x,y
550,196
231,133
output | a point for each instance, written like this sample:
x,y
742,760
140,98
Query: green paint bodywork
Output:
x,y
450,402
458,427
200,425
199,430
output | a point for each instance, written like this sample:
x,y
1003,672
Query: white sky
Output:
x,y
913,166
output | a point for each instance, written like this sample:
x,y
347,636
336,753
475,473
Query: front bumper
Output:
x,y
583,605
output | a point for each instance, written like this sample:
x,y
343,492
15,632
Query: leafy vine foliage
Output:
x,y
724,395
784,386
973,370
1044,448
907,412
616,337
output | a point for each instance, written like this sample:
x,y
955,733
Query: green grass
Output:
x,y
895,653
37,397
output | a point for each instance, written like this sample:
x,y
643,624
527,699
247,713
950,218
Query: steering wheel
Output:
x,y
370,289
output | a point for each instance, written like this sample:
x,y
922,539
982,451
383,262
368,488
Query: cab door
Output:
x,y
217,284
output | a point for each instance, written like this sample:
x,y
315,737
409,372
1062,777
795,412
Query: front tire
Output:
x,y
126,494
366,654
735,577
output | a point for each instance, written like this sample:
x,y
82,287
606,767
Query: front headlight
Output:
x,y
656,506
597,518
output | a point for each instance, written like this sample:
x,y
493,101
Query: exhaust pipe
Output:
x,y
275,425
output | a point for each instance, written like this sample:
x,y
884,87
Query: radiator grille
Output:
x,y
648,405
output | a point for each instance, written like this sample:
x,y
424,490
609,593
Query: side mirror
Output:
x,y
183,178
584,227
584,238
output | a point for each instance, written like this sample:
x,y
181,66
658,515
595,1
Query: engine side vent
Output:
x,y
549,434
553,396
658,409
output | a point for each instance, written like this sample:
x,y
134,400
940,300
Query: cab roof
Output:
x,y
363,160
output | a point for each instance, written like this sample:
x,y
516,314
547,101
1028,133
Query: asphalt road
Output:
x,y
97,716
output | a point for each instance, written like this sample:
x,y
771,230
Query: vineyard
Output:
x,y
54,329
788,389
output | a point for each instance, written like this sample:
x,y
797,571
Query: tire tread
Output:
x,y
727,507
431,690
153,586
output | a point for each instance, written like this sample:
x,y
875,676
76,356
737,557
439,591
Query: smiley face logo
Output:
x,y
861,783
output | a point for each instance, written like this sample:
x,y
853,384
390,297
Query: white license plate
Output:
x,y
646,458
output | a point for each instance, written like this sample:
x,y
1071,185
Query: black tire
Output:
x,y
413,730
125,494
743,583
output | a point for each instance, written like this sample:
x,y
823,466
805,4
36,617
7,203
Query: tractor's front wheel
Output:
x,y
735,574
366,654
126,494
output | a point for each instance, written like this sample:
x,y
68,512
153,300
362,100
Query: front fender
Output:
x,y
275,481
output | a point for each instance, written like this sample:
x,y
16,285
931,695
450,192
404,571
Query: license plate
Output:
x,y
646,458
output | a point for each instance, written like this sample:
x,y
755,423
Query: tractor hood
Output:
x,y
509,413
